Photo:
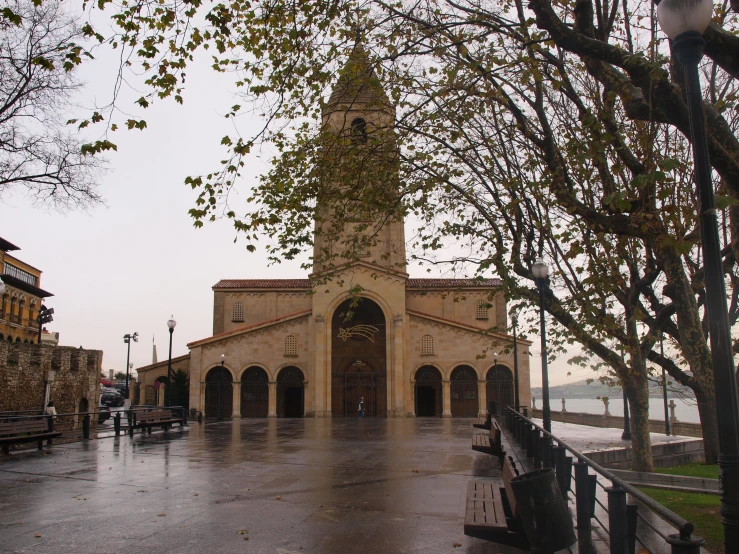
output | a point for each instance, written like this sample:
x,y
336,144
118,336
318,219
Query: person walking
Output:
x,y
50,409
361,407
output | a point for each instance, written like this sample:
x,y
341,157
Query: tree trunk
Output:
x,y
709,424
637,392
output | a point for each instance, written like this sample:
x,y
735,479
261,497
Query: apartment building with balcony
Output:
x,y
22,298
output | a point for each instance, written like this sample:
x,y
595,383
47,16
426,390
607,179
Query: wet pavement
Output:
x,y
277,485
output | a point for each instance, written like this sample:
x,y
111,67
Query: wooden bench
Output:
x,y
27,430
491,511
153,418
484,423
490,444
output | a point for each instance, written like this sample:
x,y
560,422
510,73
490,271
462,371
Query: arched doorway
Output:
x,y
428,392
290,392
254,392
464,392
499,388
160,391
358,359
218,393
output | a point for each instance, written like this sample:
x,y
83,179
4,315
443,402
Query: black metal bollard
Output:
x,y
632,511
546,453
537,448
685,545
184,416
618,536
582,496
117,423
558,462
86,427
200,417
521,431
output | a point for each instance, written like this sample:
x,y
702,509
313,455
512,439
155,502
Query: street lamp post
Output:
x,y
128,338
170,378
541,278
664,385
220,389
684,22
514,322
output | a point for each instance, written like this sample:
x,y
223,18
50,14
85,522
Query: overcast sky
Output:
x,y
127,266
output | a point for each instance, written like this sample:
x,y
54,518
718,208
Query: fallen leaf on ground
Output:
x,y
37,535
456,545
415,471
243,531
161,515
278,498
246,538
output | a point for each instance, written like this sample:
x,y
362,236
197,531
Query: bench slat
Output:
x,y
509,472
484,510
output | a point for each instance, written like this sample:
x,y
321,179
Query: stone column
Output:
x,y
482,399
272,405
446,396
398,408
322,388
236,400
202,398
160,394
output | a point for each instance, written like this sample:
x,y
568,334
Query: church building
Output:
x,y
363,329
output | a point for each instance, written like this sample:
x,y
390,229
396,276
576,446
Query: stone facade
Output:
x,y
359,329
25,368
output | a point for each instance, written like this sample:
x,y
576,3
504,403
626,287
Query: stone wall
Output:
x,y
24,369
677,428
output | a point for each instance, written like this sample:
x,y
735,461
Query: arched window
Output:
x,y
427,345
359,130
482,309
291,345
237,314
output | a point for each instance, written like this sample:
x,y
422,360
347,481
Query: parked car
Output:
x,y
111,398
104,414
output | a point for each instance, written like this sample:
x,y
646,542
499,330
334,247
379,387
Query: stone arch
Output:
x,y
10,338
290,392
254,392
359,358
451,368
17,339
464,391
427,391
499,388
218,392
240,374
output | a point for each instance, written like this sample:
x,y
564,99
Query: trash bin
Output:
x,y
543,511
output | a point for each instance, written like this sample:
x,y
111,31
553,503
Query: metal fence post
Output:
x,y
546,453
685,545
559,464
617,520
582,496
521,431
631,521
86,427
529,441
117,423
537,448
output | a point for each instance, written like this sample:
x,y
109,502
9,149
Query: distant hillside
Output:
x,y
581,389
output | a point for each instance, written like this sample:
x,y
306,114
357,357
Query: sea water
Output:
x,y
685,409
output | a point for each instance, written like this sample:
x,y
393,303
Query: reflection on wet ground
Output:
x,y
277,485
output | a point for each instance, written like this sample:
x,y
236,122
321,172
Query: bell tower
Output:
x,y
359,216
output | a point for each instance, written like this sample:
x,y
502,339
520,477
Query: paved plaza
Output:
x,y
288,486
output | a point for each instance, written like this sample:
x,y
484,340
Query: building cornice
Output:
x,y
467,327
250,328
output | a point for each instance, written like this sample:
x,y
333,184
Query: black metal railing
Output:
x,y
85,425
622,517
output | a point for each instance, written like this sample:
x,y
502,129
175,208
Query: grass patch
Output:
x,y
704,471
702,510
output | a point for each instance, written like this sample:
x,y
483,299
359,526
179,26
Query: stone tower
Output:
x,y
358,215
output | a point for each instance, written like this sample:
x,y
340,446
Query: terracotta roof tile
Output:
x,y
262,284
453,283
305,283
